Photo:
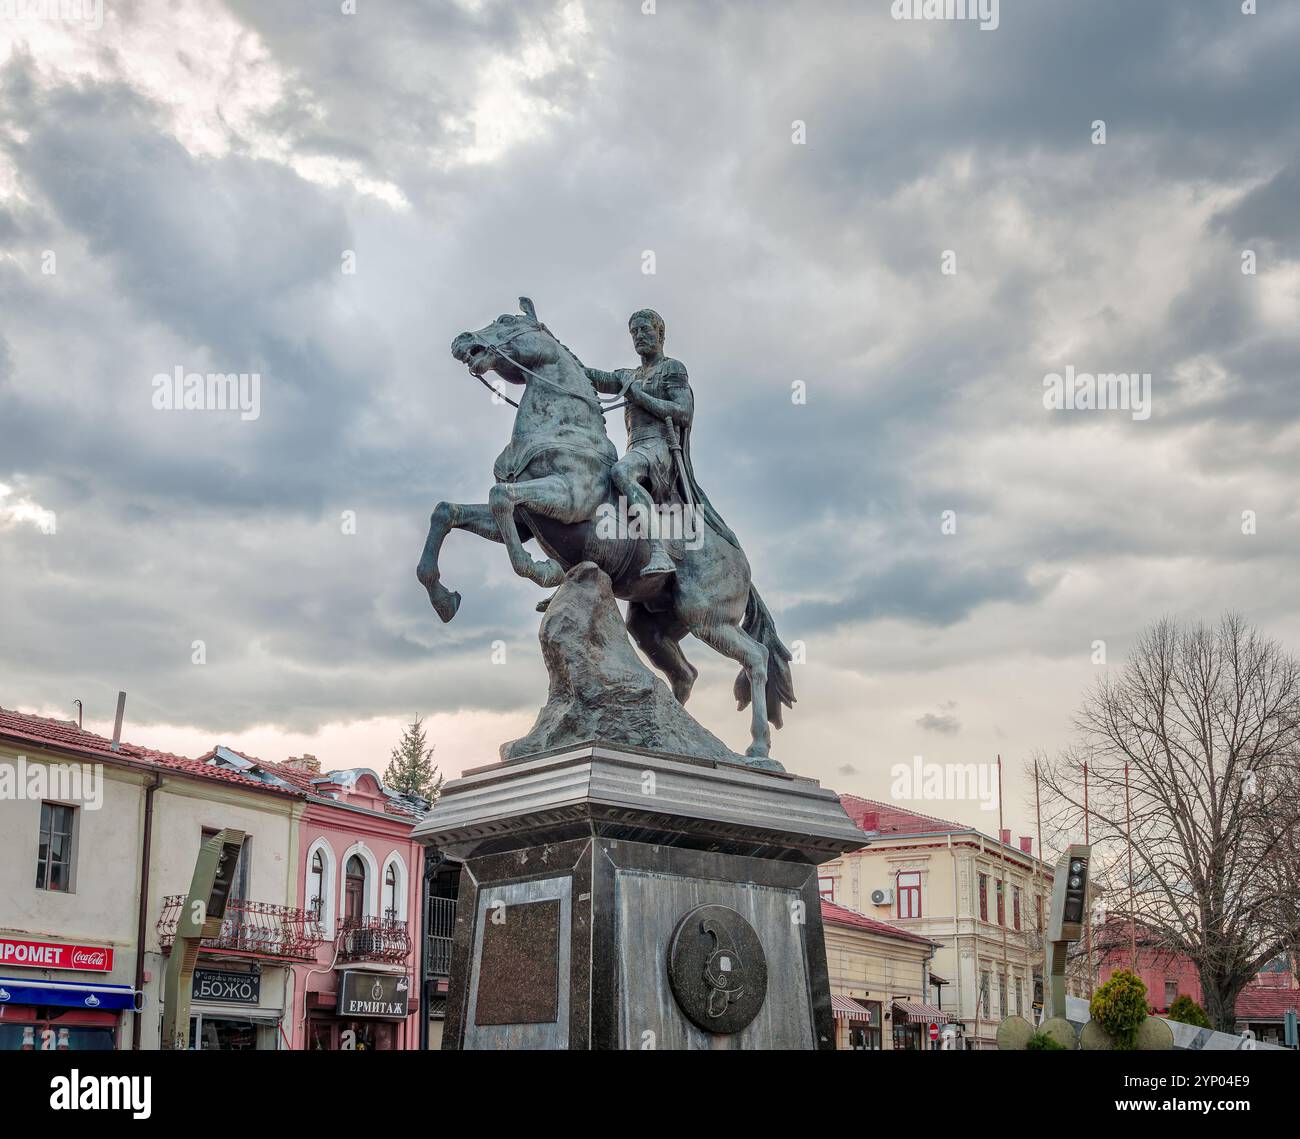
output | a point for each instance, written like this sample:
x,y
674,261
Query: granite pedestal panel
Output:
x,y
615,898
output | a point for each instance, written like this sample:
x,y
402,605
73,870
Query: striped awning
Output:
x,y
915,1012
846,1008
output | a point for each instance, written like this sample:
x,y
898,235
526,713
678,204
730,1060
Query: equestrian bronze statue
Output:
x,y
560,483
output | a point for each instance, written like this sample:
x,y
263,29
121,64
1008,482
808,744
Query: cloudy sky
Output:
x,y
180,187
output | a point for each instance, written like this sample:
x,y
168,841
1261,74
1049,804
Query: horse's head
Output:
x,y
507,341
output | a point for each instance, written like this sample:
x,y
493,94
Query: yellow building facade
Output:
x,y
879,981
981,900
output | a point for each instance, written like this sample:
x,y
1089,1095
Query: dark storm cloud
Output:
x,y
944,721
776,265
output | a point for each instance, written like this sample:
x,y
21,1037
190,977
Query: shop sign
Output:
x,y
374,994
55,955
228,988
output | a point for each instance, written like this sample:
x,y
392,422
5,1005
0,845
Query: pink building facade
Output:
x,y
362,875
360,879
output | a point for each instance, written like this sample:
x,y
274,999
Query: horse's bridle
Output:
x,y
592,400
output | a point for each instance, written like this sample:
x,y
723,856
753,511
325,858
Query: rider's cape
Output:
x,y
697,495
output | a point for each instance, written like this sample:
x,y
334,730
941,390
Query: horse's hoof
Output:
x,y
444,601
547,574
545,603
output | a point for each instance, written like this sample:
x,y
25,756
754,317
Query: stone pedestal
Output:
x,y
617,898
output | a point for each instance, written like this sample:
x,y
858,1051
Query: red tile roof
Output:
x,y
65,735
1266,1004
842,915
892,819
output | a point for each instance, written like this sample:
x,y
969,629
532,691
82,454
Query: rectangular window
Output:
x,y
984,897
1038,912
985,1007
1171,992
826,888
1015,906
1002,902
1002,995
1020,998
909,894
54,852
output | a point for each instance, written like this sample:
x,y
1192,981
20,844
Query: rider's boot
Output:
x,y
660,563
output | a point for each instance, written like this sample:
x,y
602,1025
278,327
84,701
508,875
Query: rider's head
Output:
x,y
647,329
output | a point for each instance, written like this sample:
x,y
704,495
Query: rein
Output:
x,y
591,400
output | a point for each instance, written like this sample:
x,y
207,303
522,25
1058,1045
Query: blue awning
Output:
x,y
72,994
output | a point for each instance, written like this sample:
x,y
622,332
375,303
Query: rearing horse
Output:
x,y
550,482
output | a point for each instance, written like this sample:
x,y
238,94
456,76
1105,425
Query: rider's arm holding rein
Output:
x,y
609,383
680,401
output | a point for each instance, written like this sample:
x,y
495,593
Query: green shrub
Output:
x,y
1041,1042
1120,1007
1187,1011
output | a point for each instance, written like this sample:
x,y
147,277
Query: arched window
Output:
x,y
317,885
354,890
391,909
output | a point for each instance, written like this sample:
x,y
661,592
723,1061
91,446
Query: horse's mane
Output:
x,y
572,354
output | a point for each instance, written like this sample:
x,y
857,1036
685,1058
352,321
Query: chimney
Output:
x,y
304,762
1006,836
871,820
117,723
1026,844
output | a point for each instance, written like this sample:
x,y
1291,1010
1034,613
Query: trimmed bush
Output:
x,y
1187,1011
1120,1007
1041,1042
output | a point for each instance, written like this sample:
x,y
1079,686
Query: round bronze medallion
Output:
x,y
717,969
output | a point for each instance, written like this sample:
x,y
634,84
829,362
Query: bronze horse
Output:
x,y
550,483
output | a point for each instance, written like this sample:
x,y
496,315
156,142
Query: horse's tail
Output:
x,y
758,624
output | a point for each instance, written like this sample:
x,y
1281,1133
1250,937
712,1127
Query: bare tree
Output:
x,y
1207,722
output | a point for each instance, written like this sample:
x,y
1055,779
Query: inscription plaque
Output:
x,y
519,969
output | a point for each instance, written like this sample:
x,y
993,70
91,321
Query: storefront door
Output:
x,y
232,1032
337,1034
907,1037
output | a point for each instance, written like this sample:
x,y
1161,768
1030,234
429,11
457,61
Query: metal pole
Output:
x,y
1087,929
1132,914
1002,854
1040,907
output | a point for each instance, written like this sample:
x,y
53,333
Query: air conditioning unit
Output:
x,y
882,897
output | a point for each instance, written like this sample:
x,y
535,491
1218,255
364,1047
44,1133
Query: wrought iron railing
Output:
x,y
374,939
251,927
441,929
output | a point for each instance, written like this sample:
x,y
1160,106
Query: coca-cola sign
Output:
x,y
55,955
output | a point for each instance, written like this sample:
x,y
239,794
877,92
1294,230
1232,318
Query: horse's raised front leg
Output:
x,y
732,641
550,497
477,518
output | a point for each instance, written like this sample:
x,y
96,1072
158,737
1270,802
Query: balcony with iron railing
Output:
x,y
261,929
385,940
